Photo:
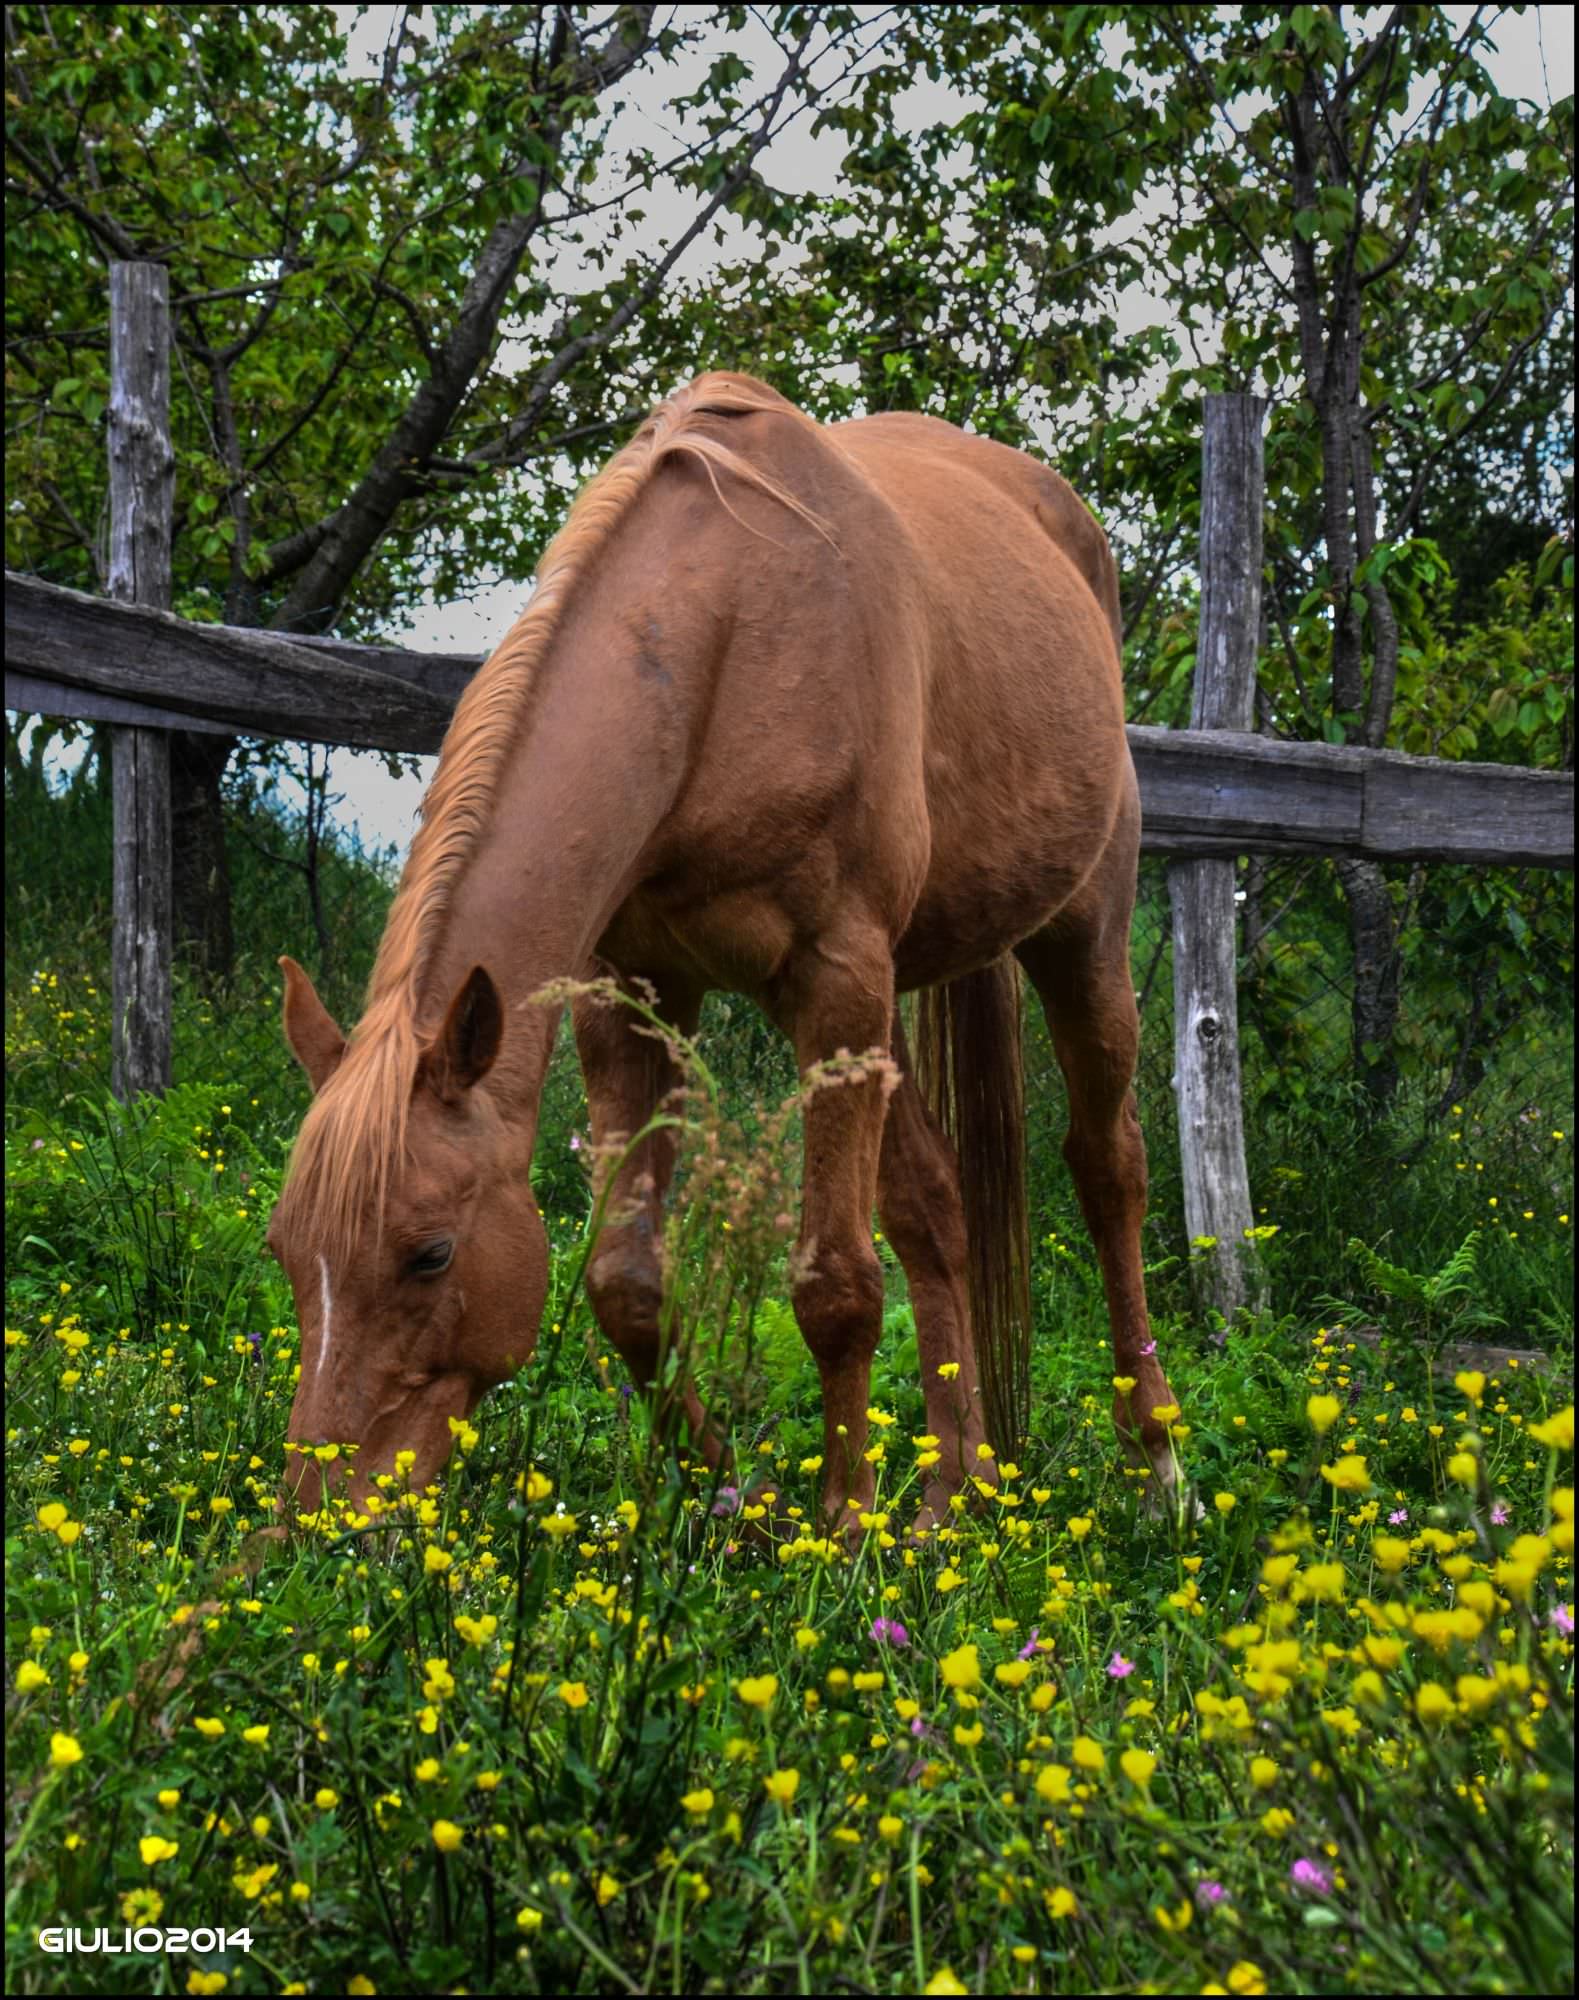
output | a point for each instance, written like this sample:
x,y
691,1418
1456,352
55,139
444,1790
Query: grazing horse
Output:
x,y
814,714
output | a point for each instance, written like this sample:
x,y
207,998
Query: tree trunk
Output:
x,y
200,863
1331,343
1373,1015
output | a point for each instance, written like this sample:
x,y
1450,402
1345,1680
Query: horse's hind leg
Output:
x,y
1080,968
918,1199
628,1074
837,996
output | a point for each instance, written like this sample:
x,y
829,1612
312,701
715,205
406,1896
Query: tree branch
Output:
x,y
106,234
356,527
1494,395
1416,209
507,449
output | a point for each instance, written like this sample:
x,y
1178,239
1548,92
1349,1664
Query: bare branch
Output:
x,y
1416,209
505,450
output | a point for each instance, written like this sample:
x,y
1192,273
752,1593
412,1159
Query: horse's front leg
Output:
x,y
628,1074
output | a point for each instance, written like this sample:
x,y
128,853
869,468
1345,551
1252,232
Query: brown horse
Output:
x,y
817,715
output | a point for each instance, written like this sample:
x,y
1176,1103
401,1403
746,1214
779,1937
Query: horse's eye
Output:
x,y
428,1262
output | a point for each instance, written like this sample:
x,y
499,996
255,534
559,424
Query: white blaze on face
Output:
x,y
325,1313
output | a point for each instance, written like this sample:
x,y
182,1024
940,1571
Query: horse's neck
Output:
x,y
597,764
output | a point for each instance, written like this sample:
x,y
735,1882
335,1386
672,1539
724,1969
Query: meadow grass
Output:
x,y
590,1718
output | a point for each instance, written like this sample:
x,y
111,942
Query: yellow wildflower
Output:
x,y
1557,1433
1433,1703
1138,1766
961,1668
1052,1784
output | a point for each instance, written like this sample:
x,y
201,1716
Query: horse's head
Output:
x,y
419,1268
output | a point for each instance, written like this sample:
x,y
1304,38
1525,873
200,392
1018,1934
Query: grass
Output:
x,y
569,1727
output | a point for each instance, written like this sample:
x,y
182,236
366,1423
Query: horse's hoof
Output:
x,y
1166,1500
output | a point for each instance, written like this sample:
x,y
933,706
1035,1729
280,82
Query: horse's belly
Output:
x,y
1002,868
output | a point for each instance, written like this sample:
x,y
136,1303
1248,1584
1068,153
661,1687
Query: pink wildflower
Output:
x,y
1311,1877
1120,1669
889,1632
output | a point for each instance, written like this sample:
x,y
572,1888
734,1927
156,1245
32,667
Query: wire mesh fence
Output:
x,y
1473,1130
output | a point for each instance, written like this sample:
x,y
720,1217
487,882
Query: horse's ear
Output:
x,y
469,1040
316,1042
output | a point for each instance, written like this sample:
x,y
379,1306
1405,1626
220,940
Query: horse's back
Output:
x,y
892,448
1027,773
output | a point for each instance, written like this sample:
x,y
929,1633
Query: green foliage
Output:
x,y
1437,1305
342,239
163,1199
1453,1280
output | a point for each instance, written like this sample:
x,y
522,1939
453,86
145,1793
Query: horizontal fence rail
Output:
x,y
1202,791
1209,791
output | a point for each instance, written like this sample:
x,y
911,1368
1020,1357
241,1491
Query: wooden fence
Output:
x,y
1203,791
1208,794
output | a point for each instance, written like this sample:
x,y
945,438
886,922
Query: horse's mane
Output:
x,y
355,1130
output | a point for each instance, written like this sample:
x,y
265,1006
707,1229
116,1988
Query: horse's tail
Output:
x,y
968,1065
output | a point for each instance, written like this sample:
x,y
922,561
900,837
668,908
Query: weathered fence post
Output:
x,y
1201,892
142,486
